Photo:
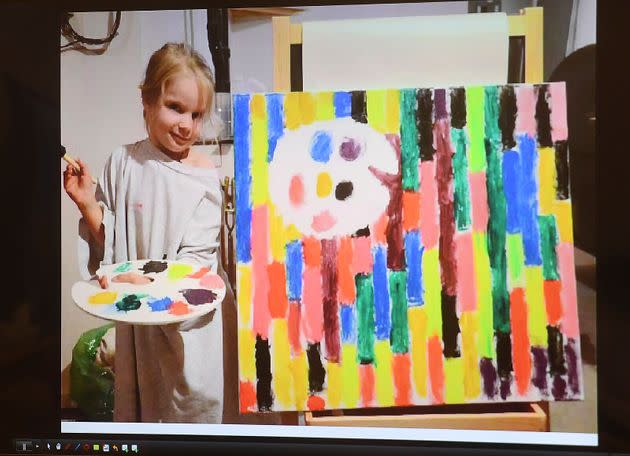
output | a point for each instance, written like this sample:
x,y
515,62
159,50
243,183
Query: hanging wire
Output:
x,y
76,38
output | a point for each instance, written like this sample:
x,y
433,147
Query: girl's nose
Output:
x,y
185,124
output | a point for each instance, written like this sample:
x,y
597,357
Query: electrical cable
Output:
x,y
76,38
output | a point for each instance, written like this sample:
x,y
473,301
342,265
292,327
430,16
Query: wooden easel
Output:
x,y
527,25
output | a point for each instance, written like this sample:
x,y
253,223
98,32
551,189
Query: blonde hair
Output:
x,y
172,59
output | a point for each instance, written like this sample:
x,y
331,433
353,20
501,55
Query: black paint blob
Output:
x,y
263,373
424,124
343,190
359,106
129,302
458,107
316,372
197,296
450,326
562,170
363,232
504,354
556,352
489,375
543,126
507,117
154,266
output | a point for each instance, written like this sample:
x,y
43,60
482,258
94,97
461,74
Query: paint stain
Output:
x,y
539,379
199,274
562,169
316,372
350,149
489,376
343,190
105,297
212,281
505,389
125,267
154,266
572,364
179,271
158,305
555,349
424,123
296,190
264,396
198,296
559,388
179,308
129,302
315,403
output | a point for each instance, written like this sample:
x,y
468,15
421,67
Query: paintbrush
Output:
x,y
72,162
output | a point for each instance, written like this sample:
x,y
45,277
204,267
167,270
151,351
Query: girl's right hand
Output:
x,y
78,185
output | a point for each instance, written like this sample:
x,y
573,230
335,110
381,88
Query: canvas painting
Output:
x,y
404,247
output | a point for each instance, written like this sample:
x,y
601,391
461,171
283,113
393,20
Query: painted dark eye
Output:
x,y
343,190
349,149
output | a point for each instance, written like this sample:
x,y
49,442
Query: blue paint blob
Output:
x,y
413,257
381,294
158,305
294,265
343,104
348,324
242,178
321,146
275,122
511,186
529,201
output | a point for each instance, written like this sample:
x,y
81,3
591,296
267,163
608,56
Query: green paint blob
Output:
x,y
548,243
460,171
516,260
475,123
179,271
409,139
365,315
399,337
129,302
125,267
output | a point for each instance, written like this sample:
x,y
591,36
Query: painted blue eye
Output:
x,y
321,146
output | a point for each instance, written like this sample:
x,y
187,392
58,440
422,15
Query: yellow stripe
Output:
x,y
325,109
244,294
376,110
281,360
246,355
536,312
483,287
383,373
392,121
299,371
292,117
453,385
472,379
333,371
292,233
307,107
277,233
350,375
260,150
432,291
547,179
564,220
418,329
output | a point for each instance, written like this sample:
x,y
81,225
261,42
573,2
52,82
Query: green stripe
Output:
x,y
365,316
460,170
409,139
400,328
548,243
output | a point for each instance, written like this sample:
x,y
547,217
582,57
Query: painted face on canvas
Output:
x,y
323,178
174,120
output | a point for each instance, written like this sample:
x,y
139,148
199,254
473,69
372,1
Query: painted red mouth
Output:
x,y
323,221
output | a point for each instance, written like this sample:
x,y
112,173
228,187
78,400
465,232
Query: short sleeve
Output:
x,y
200,242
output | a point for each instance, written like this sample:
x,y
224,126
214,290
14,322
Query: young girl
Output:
x,y
159,199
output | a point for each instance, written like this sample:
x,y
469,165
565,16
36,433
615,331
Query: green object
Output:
x,y
92,386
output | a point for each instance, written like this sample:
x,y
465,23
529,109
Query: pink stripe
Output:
x,y
526,116
568,290
465,272
559,129
313,316
429,220
362,259
260,256
479,201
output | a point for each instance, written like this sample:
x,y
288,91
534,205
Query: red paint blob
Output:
x,y
296,190
315,403
247,396
278,302
520,340
402,367
366,380
179,308
199,274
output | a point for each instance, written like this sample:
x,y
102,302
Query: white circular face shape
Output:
x,y
320,178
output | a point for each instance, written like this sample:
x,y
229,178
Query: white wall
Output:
x,y
586,23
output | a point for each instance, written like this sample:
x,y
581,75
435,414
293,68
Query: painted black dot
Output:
x,y
343,190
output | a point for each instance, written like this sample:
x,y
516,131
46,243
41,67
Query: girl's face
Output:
x,y
174,120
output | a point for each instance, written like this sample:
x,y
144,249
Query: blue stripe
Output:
x,y
381,294
294,266
275,121
242,178
348,324
413,256
511,187
529,200
343,104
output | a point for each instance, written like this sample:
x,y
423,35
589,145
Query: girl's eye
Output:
x,y
175,107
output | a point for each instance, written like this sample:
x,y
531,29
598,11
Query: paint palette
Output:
x,y
149,292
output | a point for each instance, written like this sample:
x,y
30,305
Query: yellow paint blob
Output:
x,y
383,373
350,373
281,360
453,385
324,185
536,311
334,384
106,297
469,322
244,294
179,271
418,328
246,355
299,371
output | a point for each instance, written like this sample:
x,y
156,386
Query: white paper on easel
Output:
x,y
419,51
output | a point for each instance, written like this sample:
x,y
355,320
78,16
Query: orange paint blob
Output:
x,y
179,308
366,381
346,291
277,290
552,301
402,380
520,340
378,230
296,190
312,251
315,403
436,369
247,397
293,324
411,210
199,274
